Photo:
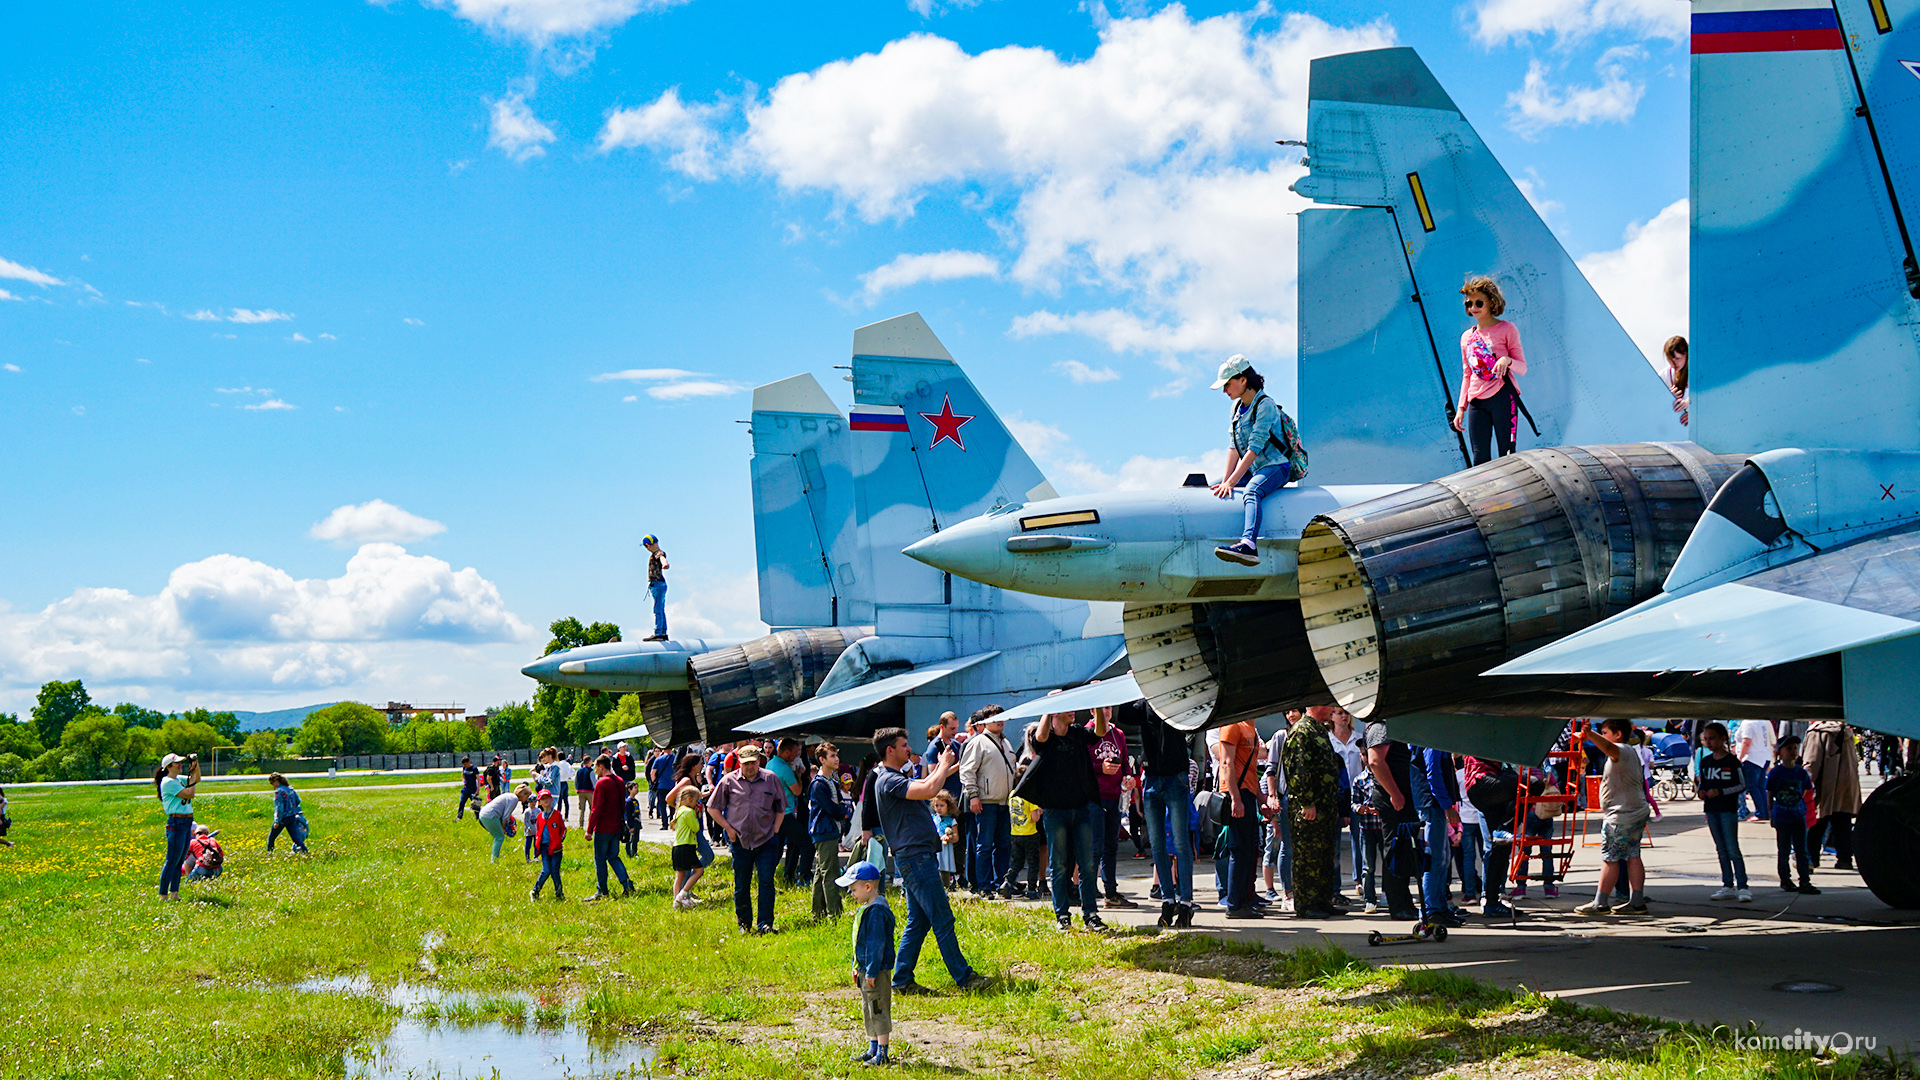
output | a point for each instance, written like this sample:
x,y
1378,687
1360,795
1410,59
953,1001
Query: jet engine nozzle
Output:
x,y
1409,597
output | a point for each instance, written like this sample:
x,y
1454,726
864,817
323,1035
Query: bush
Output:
x,y
15,769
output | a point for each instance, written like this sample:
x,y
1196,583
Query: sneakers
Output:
x,y
534,895
1183,919
1550,890
1448,918
1167,912
912,989
654,637
1154,893
1745,896
1247,912
1722,893
1806,889
1637,910
1370,907
1115,900
1594,907
1519,893
766,929
1065,921
1494,909
1033,894
681,903
1240,552
975,983
1093,922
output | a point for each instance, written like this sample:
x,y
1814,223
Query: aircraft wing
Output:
x,y
1100,695
1842,598
819,708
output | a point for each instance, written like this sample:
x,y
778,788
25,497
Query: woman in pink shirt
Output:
x,y
1489,353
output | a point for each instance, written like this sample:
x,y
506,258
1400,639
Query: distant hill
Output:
x,y
280,718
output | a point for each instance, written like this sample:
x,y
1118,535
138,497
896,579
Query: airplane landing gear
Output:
x,y
1886,841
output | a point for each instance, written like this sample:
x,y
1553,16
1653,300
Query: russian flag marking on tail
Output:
x,y
1747,26
877,418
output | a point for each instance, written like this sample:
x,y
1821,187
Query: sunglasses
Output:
x,y
1476,303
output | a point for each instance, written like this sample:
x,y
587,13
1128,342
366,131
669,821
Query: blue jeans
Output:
x,y
1070,844
1756,780
1356,838
927,909
549,871
992,846
1262,483
1280,847
179,835
1243,850
705,847
1726,842
1433,823
1169,803
296,827
1106,839
746,863
606,853
1473,856
659,591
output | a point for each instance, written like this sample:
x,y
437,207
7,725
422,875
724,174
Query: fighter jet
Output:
x,y
867,637
1422,204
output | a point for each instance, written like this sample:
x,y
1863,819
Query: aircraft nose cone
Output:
x,y
543,669
972,549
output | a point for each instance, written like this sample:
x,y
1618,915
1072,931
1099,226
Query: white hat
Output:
x,y
170,759
1234,365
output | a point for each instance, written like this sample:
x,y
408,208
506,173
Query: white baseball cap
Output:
x,y
1233,365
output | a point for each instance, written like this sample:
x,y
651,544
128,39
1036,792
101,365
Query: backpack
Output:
x,y
1287,440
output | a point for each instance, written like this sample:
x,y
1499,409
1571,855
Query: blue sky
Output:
x,y
344,345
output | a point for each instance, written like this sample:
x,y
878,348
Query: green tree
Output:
x,y
318,737
363,729
509,726
100,738
19,738
624,715
178,736
137,716
58,704
14,769
565,714
569,634
143,747
261,746
226,723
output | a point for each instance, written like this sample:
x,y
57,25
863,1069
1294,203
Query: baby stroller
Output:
x,y
1672,766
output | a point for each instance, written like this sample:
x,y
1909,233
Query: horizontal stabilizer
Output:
x,y
1516,740
826,707
1100,695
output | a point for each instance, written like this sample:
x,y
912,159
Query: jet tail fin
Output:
x,y
803,523
1807,333
929,451
1425,204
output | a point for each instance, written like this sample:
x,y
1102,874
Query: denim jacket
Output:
x,y
873,954
827,812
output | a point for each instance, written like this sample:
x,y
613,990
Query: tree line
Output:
x,y
68,736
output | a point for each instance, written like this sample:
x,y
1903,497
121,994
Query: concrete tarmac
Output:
x,y
1706,962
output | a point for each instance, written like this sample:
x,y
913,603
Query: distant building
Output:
x,y
399,712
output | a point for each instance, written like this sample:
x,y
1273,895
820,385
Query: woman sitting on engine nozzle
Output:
x,y
1489,355
1265,451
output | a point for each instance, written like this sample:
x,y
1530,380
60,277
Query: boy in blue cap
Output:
x,y
873,957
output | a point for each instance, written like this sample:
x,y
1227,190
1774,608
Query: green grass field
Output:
x,y
106,981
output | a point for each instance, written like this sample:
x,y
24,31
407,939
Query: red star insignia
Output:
x,y
946,423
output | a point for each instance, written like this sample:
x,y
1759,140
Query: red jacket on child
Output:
x,y
549,830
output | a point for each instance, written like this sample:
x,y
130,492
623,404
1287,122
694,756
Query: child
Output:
x,y
633,821
873,957
686,847
548,832
205,857
1623,803
1721,782
527,816
1787,788
286,814
827,815
946,821
5,821
1026,849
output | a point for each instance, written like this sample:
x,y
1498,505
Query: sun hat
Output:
x,y
753,752
860,871
1234,365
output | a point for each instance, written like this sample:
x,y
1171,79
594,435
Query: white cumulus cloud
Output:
x,y
1497,21
1646,280
908,270
1083,373
264,315
15,368
644,375
374,520
513,130
543,21
669,125
694,388
270,405
17,272
1540,104
232,622
1144,169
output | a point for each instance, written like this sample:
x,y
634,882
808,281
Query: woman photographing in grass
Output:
x,y
176,798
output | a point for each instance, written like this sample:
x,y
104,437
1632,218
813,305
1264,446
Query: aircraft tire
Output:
x,y
1886,842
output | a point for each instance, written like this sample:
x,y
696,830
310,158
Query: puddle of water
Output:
x,y
446,1035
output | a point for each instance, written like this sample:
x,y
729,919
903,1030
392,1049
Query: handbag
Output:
x,y
1220,803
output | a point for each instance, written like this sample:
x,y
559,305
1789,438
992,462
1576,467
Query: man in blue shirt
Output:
x,y
915,845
